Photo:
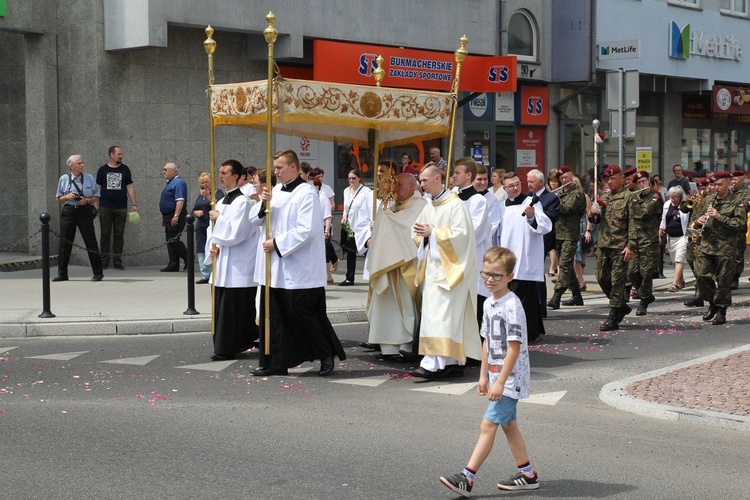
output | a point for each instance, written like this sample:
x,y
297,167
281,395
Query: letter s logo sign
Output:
x,y
498,74
367,64
535,105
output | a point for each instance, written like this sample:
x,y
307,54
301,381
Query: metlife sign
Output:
x,y
622,49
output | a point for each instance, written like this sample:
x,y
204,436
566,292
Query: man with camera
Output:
x,y
78,193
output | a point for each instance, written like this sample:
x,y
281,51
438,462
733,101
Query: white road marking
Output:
x,y
3,350
452,389
546,398
300,371
63,356
365,381
213,366
140,361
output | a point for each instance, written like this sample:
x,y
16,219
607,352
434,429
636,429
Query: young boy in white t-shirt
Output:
x,y
504,377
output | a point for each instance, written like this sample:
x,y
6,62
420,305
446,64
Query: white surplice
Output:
x,y
299,258
524,240
237,240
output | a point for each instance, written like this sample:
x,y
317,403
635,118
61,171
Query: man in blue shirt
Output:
x,y
78,194
173,213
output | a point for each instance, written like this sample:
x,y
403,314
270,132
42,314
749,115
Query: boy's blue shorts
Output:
x,y
501,412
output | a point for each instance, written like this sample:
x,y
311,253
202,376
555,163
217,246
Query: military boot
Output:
x,y
721,316
611,323
712,310
576,299
643,306
554,302
696,301
623,311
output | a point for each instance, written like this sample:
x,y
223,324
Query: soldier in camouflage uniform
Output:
x,y
567,234
725,216
615,249
697,210
645,216
742,195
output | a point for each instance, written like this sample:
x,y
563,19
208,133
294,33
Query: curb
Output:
x,y
140,327
615,394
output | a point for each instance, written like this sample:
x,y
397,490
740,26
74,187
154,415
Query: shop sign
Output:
x,y
529,150
3,8
696,110
480,108
505,107
643,156
730,100
409,68
684,43
533,106
623,49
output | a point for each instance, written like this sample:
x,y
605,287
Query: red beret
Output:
x,y
711,178
738,173
701,181
564,170
722,175
629,171
611,170
642,174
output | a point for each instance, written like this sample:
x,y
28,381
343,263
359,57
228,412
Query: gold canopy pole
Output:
x,y
460,54
378,74
210,45
270,34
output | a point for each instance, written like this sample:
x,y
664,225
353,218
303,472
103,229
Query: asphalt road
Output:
x,y
159,427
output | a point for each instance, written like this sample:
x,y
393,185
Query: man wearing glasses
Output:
x,y
173,213
522,231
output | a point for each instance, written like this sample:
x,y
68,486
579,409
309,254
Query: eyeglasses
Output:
x,y
166,170
492,276
352,178
514,185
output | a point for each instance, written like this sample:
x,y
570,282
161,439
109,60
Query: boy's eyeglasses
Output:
x,y
492,276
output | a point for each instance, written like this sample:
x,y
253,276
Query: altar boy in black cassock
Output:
x,y
232,242
300,329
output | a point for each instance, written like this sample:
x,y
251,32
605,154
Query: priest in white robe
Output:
x,y
395,298
447,252
300,328
522,231
231,242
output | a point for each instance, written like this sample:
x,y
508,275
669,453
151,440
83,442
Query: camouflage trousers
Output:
x,y
611,274
566,273
714,274
739,260
690,254
641,269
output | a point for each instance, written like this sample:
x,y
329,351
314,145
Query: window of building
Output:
x,y
522,36
734,7
686,3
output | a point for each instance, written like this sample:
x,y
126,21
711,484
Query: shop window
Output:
x,y
734,7
522,37
584,106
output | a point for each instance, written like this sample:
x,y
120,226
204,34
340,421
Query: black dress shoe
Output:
x,y
326,366
97,277
267,372
60,278
387,357
169,269
409,356
346,283
221,357
202,281
369,346
422,373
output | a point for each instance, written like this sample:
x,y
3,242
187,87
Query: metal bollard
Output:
x,y
46,313
190,263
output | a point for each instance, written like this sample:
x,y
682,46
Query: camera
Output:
x,y
78,197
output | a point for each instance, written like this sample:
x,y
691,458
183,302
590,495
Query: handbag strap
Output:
x,y
352,200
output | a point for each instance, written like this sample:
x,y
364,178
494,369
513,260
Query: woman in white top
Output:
x,y
354,196
497,185
674,226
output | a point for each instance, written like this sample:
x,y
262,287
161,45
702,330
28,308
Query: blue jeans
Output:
x,y
205,268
